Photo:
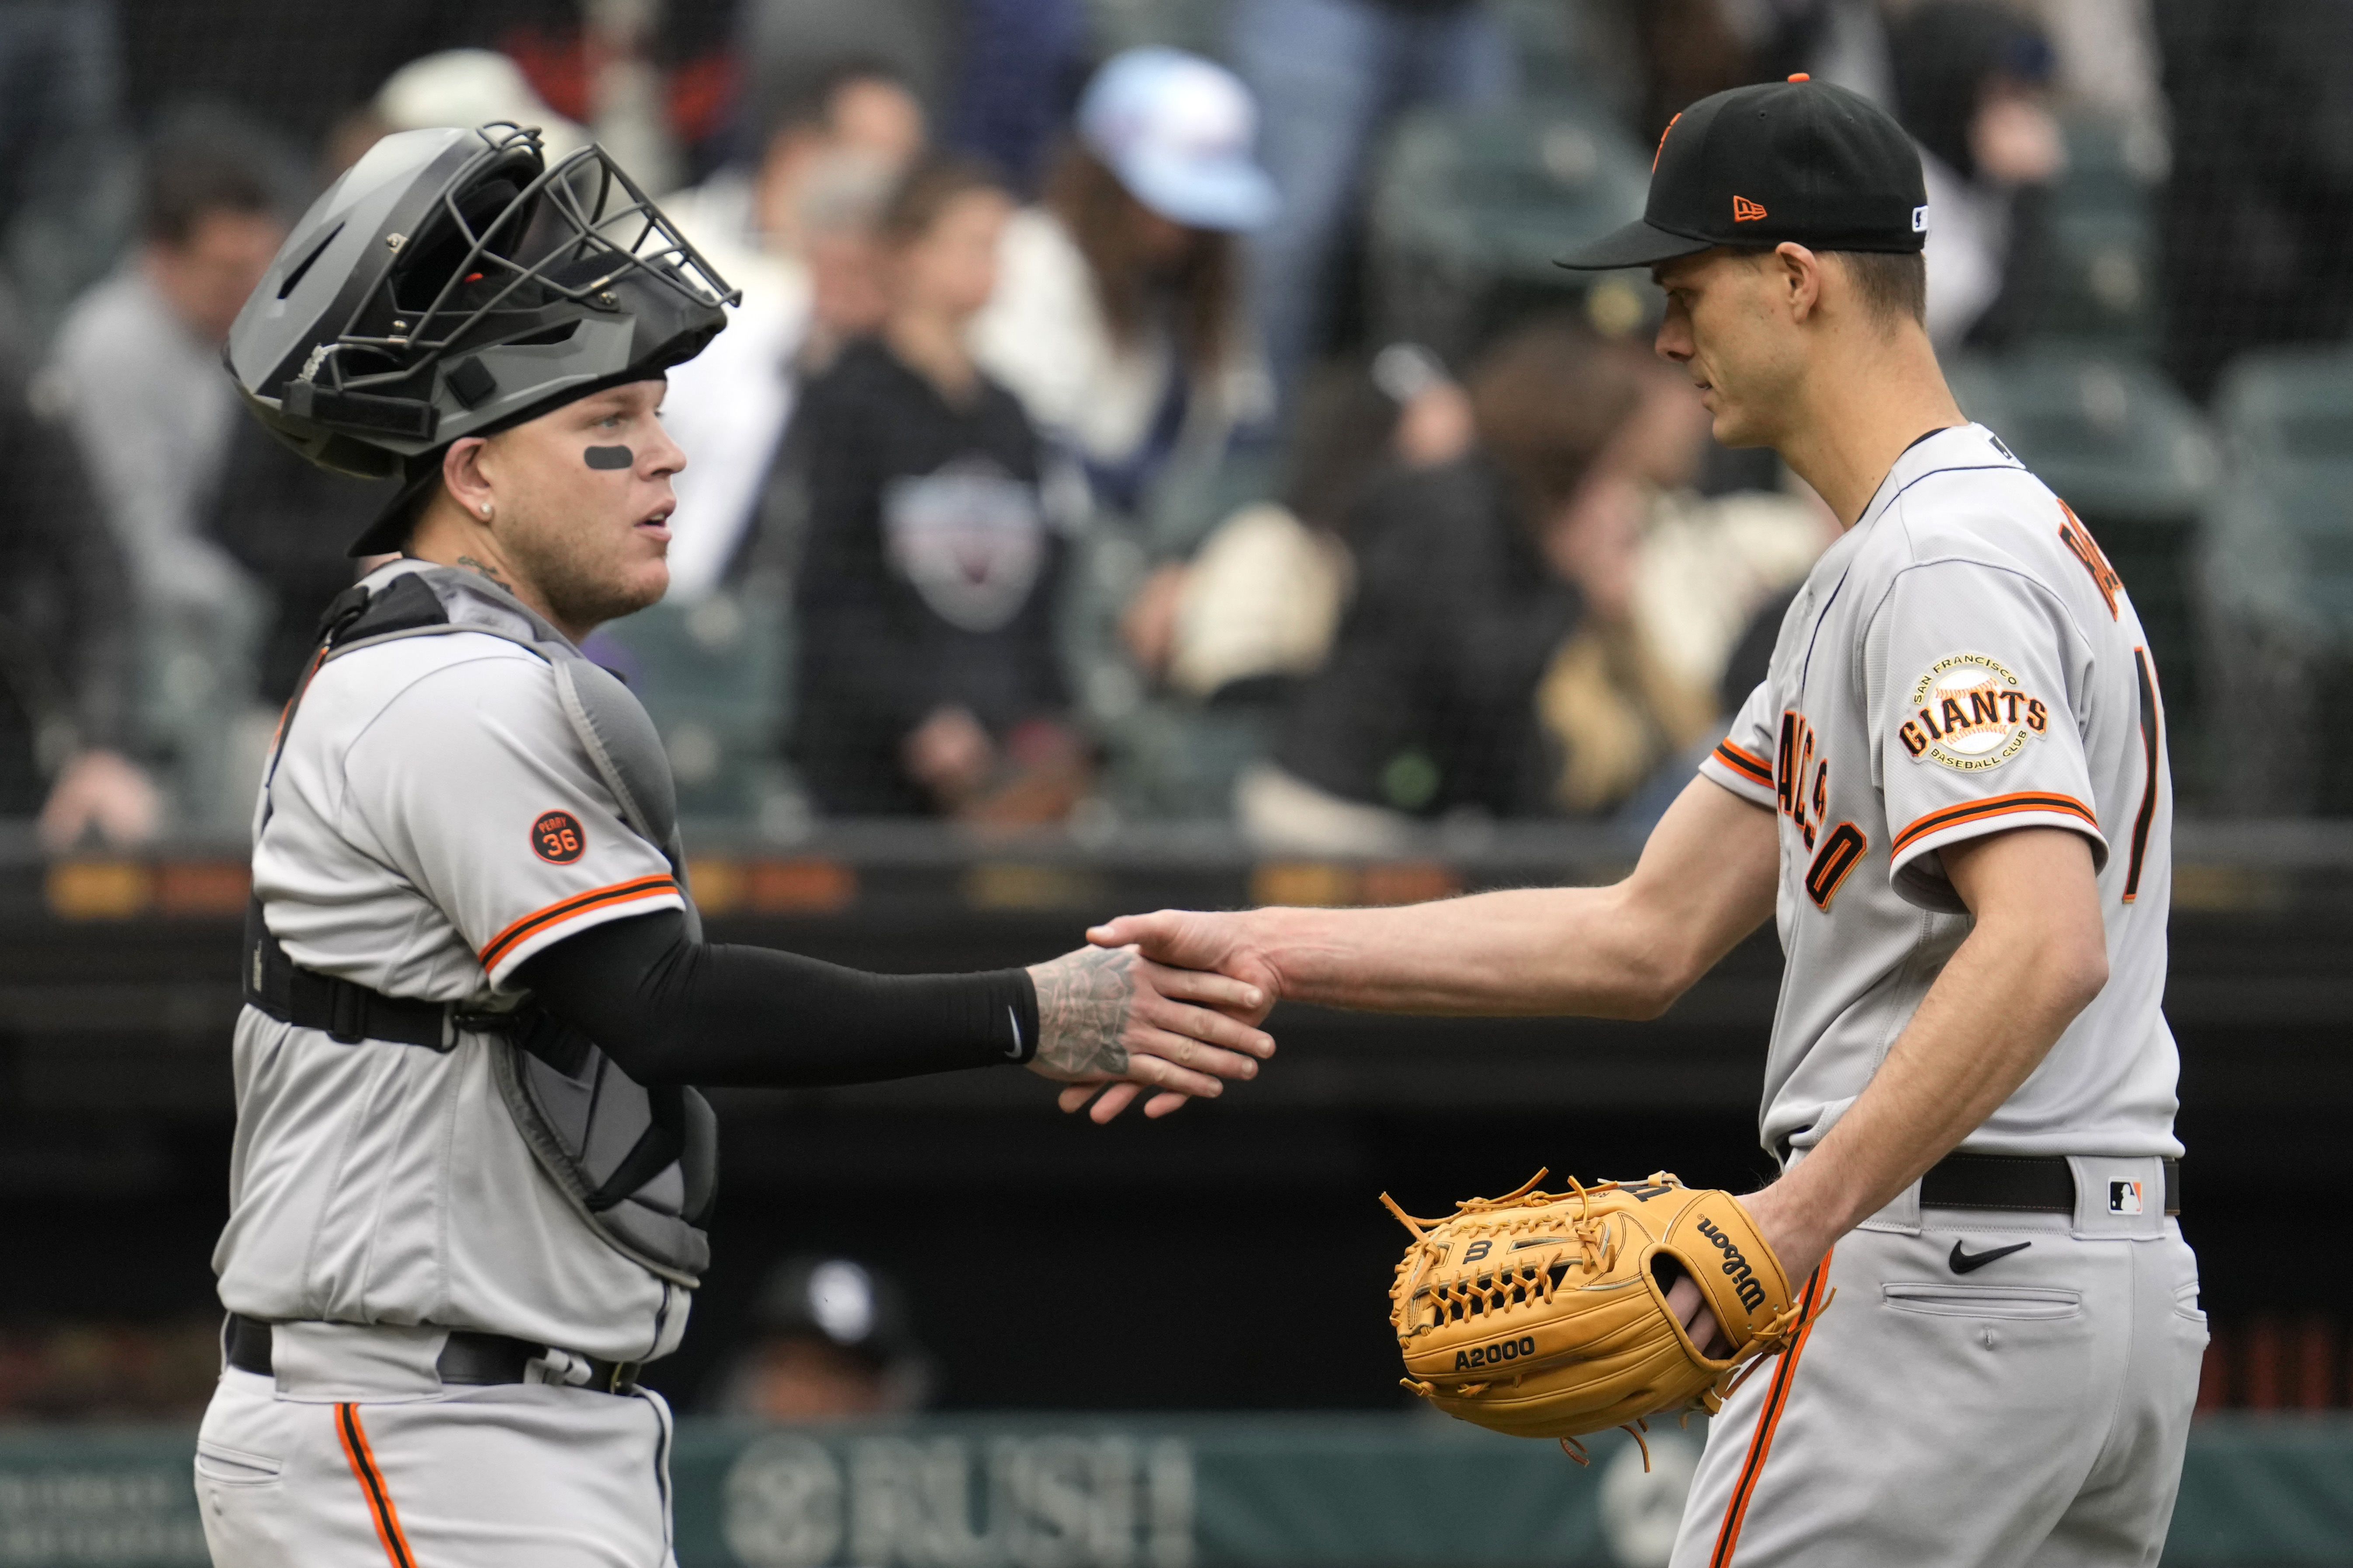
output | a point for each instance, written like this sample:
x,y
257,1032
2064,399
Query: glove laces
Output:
x,y
1508,1285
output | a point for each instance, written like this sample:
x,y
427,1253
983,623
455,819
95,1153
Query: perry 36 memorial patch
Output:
x,y
1970,714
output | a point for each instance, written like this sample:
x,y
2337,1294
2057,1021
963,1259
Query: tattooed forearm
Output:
x,y
1083,999
482,568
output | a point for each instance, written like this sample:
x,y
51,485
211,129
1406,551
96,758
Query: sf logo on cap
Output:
x,y
1745,211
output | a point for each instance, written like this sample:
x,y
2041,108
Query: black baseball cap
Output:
x,y
1797,160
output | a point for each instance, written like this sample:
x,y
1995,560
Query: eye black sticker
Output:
x,y
610,457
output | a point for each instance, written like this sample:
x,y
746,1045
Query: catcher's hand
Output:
x,y
1553,1315
1110,1019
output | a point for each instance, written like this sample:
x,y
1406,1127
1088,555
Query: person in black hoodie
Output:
x,y
929,682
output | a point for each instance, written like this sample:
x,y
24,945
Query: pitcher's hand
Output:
x,y
1191,939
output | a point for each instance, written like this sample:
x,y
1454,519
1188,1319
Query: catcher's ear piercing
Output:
x,y
486,508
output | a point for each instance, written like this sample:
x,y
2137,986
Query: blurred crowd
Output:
x,y
1138,409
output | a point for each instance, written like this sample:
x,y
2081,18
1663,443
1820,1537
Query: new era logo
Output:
x,y
1745,211
2124,1197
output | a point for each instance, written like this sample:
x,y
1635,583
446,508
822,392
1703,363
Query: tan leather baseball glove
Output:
x,y
1544,1314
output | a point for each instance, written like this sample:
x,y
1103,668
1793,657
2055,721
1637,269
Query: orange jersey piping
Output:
x,y
1992,805
563,909
385,1518
1760,1442
1747,764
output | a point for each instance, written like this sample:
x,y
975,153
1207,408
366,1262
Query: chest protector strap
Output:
x,y
639,1164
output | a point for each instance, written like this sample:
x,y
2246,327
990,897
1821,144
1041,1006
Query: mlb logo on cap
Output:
x,y
2124,1197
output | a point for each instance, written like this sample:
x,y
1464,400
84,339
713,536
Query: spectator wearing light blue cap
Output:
x,y
1119,318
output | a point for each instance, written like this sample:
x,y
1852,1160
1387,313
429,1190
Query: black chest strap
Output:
x,y
347,1011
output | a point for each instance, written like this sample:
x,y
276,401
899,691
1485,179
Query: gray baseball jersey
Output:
x,y
1988,1386
432,823
1962,662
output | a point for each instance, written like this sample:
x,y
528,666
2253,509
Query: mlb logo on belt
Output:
x,y
2124,1197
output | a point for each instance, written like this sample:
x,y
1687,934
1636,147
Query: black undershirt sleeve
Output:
x,y
667,1009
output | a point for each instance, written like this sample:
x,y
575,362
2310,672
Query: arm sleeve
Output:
x,y
1743,761
1973,675
671,1010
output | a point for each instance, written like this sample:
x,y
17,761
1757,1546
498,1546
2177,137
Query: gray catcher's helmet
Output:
x,y
450,284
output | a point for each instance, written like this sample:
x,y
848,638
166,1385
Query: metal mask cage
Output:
x,y
580,264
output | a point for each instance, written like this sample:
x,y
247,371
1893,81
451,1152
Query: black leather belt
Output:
x,y
348,1012
2043,1185
468,1358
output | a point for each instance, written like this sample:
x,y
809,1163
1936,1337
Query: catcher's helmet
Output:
x,y
451,283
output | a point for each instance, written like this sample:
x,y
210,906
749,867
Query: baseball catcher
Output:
x,y
472,1163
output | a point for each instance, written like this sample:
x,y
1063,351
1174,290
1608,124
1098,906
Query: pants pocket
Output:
x,y
227,1466
2185,1304
2013,1301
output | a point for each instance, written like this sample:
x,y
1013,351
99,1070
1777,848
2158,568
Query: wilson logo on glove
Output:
x,y
1569,1331
1745,1285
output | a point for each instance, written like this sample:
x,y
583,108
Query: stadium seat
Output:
x,y
2110,434
195,714
716,676
2276,586
1469,210
2135,461
2289,406
1548,45
2276,583
2097,285
1199,26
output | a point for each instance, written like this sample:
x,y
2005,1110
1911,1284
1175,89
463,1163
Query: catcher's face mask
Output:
x,y
451,284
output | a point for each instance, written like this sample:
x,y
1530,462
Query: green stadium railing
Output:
x,y
1248,1491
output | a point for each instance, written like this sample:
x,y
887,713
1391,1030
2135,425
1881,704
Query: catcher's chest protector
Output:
x,y
639,1163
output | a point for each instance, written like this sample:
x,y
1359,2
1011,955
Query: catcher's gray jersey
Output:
x,y
1963,662
433,823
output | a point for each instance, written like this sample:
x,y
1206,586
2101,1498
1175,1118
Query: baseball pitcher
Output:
x,y
1950,794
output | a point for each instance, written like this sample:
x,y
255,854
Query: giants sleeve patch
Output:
x,y
558,838
1969,714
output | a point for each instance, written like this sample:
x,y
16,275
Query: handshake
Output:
x,y
1166,1003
